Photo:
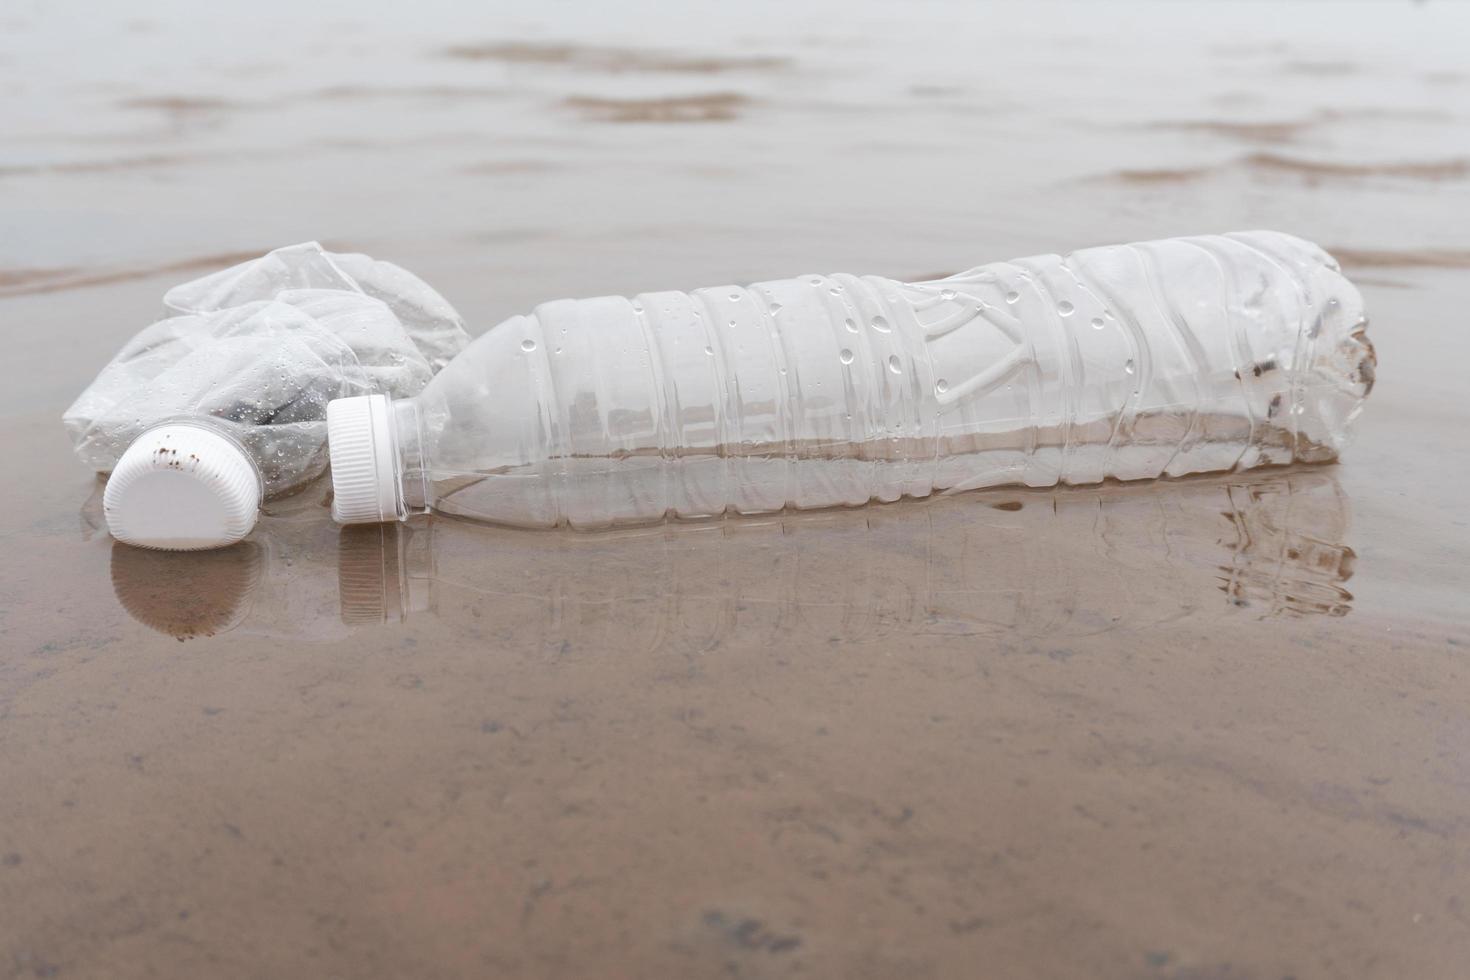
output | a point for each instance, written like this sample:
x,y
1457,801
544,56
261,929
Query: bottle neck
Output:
x,y
407,420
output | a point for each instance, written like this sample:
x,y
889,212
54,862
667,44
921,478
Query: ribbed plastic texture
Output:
x,y
364,465
376,568
182,487
211,593
367,578
1128,362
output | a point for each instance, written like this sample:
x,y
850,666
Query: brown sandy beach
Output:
x,y
1207,728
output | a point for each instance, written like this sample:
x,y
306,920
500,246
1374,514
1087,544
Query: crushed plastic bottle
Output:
x,y
1156,359
238,378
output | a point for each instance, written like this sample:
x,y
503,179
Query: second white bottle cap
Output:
x,y
182,486
365,481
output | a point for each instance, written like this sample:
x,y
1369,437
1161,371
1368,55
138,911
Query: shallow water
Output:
x,y
1214,727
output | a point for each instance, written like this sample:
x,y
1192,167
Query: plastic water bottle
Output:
x,y
1127,362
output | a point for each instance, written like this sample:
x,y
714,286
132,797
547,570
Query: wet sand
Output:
x,y
1209,728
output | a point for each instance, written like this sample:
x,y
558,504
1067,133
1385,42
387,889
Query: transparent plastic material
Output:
x,y
1264,545
1126,362
260,348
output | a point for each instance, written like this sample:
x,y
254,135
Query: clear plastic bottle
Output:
x,y
1125,362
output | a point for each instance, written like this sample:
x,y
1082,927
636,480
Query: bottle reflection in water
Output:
x,y
208,594
383,571
281,583
995,565
998,565
1309,564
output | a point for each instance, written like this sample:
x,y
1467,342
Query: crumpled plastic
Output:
x,y
262,347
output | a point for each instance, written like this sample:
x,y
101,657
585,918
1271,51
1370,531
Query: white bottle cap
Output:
x,y
365,481
182,486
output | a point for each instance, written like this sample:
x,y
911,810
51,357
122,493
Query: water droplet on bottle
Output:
x,y
709,350
734,297
1128,365
851,327
638,308
732,323
557,351
528,345
894,364
880,324
1097,323
846,356
947,294
835,290
816,280
775,308
1012,296
941,386
1065,308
